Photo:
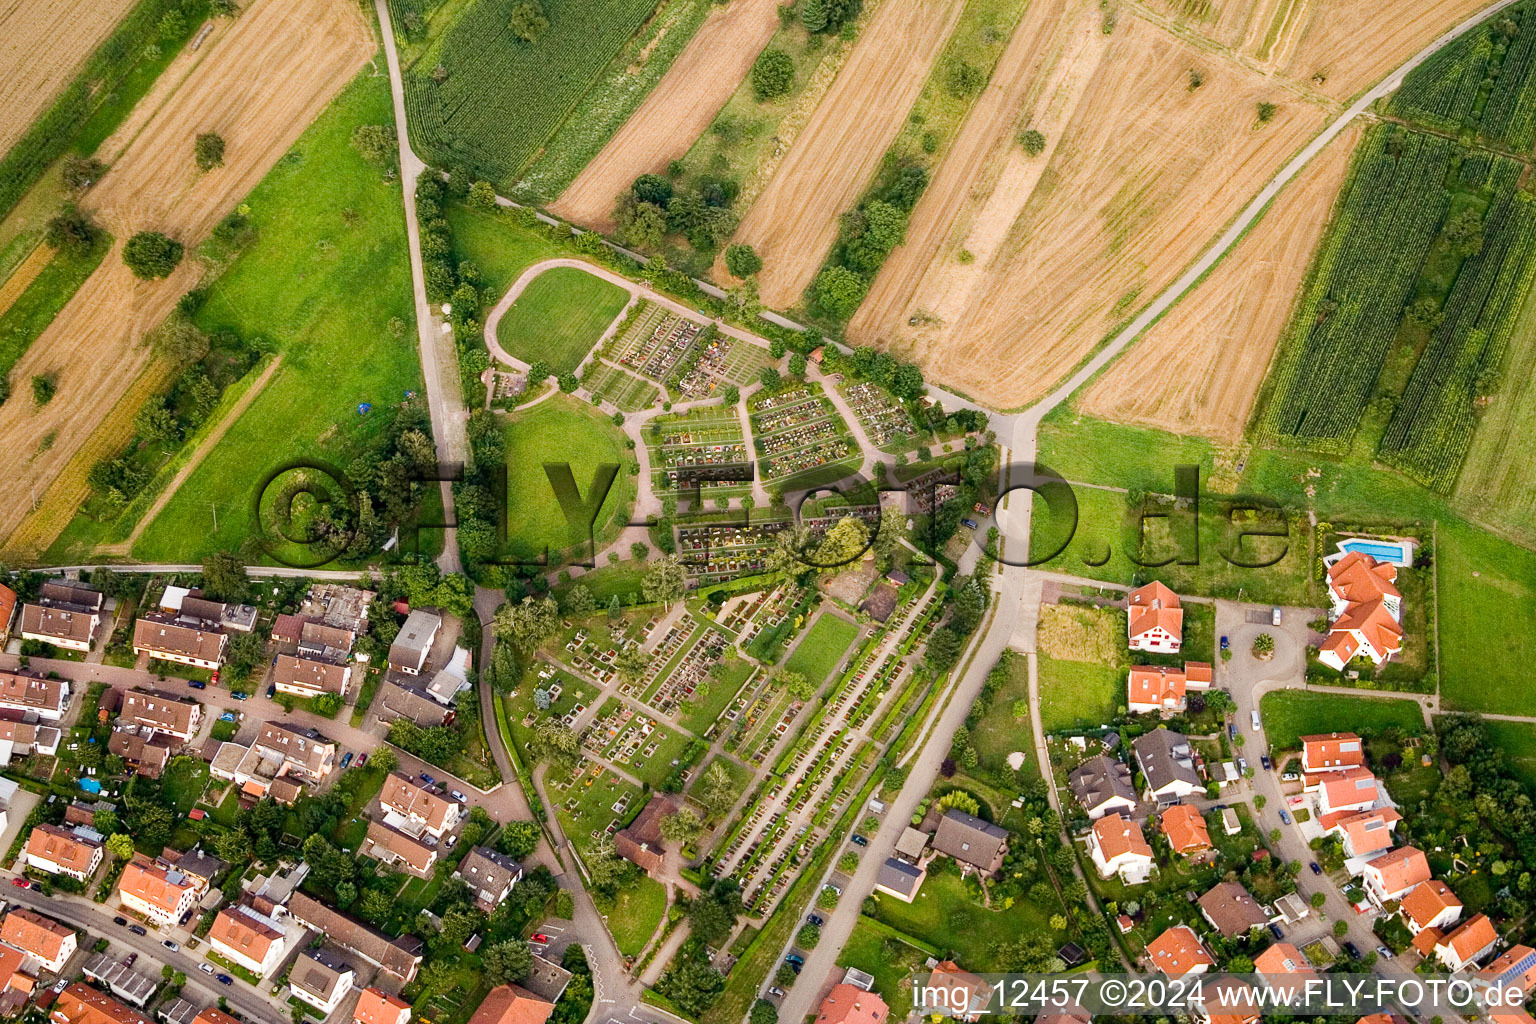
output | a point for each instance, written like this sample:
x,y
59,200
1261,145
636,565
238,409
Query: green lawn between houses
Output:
x,y
1291,714
559,317
561,428
322,286
880,952
823,648
632,915
1079,694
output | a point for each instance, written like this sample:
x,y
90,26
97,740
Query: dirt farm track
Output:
x,y
42,45
258,84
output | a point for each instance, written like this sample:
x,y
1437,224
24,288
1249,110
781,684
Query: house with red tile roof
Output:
x,y
1178,952
1282,959
159,893
1513,968
1431,904
849,1004
1331,752
512,1004
1393,874
966,994
81,1004
1118,848
1366,832
1462,948
1155,621
375,1006
1185,828
1343,793
1162,689
248,937
8,601
63,851
1366,611
41,938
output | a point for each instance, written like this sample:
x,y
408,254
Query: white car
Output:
x,y
1255,715
460,797
205,968
171,944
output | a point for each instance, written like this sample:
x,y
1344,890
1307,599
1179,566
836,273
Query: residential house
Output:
x,y
966,995
43,939
512,1004
1430,904
912,844
640,841
375,1006
1155,621
281,758
120,979
145,751
1178,952
1366,832
309,677
416,809
972,842
1231,910
1340,794
81,1004
393,847
1513,968
191,608
213,1015
17,982
413,643
30,693
1282,959
1102,785
75,852
1366,609
8,601
900,879
162,637
395,700
1162,689
400,958
490,875
1227,1000
849,1004
1332,752
201,867
248,937
66,615
1168,766
1118,848
1393,874
1185,828
320,978
1461,948
161,894
22,739
162,713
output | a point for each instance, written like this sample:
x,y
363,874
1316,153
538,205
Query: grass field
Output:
x,y
1517,742
35,308
321,285
559,317
573,432
498,244
823,648
501,98
700,714
1078,694
944,915
1000,733
1487,607
634,914
1290,714
889,959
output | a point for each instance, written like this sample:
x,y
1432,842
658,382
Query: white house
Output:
x,y
322,979
74,852
161,894
248,937
1167,766
1366,609
1466,946
415,809
1155,621
1392,875
1344,792
43,939
1431,905
1118,848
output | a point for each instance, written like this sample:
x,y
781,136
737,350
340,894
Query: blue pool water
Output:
x,y
90,785
1382,551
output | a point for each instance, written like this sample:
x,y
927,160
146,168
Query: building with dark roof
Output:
x,y
971,841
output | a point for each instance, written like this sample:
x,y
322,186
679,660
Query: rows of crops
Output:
x,y
1365,274
1444,91
1484,82
1431,428
481,97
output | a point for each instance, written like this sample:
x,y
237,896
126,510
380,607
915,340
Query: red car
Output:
x,y
214,679
22,883
539,937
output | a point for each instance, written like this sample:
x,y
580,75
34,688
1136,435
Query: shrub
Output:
x,y
149,254
72,232
1033,142
81,172
964,78
43,388
773,74
482,194
528,20
652,188
210,151
742,260
376,142
1267,111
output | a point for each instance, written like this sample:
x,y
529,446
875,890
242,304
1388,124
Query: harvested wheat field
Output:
x,y
1198,369
1353,44
1132,194
259,86
25,273
794,220
42,45
681,106
984,179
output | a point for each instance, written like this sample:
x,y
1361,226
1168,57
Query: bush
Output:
x,y
742,260
482,194
81,172
210,151
43,389
528,20
376,142
1267,112
149,254
1033,142
773,74
72,232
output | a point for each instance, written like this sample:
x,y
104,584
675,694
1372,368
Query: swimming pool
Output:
x,y
1398,552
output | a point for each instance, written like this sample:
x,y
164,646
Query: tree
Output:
x,y
716,789
377,143
72,232
1267,112
149,254
848,863
482,195
683,826
773,74
808,937
797,363
960,800
796,683
763,1013
518,839
640,224
527,624
579,601
569,382
652,188
209,150
943,649
43,388
81,172
742,260
224,576
666,581
1318,899
838,291
556,743
731,395
120,845
963,78
528,20
769,378
712,914
384,760
631,663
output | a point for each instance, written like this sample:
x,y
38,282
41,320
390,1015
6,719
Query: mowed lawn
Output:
x,y
564,430
823,647
1487,608
559,317
498,245
1291,714
1000,733
944,915
321,286
634,914
1078,694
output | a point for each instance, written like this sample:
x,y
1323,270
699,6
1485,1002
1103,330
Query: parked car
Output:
x,y
22,883
1384,952
197,684
1317,868
228,716
775,991
129,959
171,944
271,690
1274,930
969,523
119,921
1232,730
1254,715
137,929
814,919
239,694
1274,616
1285,816
539,937
225,979
1352,950
858,840
1268,764
205,968
795,958
452,839
362,759
460,797
346,759
1226,643
429,780
982,508
1242,766
214,678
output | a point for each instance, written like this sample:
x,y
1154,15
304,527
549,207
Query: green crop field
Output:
x,y
1487,606
497,99
1291,714
823,648
37,305
325,307
573,432
559,317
